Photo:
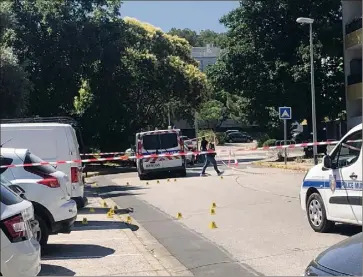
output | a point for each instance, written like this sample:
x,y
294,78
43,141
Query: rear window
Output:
x,y
4,161
8,197
151,142
169,140
40,170
162,141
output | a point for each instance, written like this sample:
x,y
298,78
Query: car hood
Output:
x,y
344,257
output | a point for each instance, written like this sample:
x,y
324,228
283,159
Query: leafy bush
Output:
x,y
269,142
262,139
221,138
209,135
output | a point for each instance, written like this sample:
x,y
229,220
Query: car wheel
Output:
x,y
142,177
42,234
183,173
316,213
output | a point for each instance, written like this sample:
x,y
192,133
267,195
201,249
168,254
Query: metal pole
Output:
x,y
315,149
169,115
285,140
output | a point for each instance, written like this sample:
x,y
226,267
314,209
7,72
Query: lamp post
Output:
x,y
310,21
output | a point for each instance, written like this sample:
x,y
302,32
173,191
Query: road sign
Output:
x,y
285,112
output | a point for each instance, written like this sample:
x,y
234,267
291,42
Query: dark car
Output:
x,y
238,137
342,259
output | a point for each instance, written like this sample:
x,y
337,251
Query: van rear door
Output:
x,y
170,144
151,145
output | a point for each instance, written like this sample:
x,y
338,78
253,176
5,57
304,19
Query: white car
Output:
x,y
20,252
51,142
332,191
48,189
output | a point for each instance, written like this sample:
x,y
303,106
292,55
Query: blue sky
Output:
x,y
195,15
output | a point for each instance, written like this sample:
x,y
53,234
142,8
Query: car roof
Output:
x,y
36,125
158,131
356,128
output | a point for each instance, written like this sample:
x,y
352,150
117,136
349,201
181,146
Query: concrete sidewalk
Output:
x,y
107,246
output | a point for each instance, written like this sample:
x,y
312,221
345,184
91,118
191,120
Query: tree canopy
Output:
x,y
202,39
79,58
266,59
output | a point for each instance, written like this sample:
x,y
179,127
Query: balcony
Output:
x,y
353,34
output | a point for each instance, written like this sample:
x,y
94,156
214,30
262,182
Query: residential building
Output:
x,y
352,32
205,55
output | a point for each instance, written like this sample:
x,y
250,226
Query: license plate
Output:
x,y
152,165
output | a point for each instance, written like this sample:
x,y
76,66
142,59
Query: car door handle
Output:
x,y
353,176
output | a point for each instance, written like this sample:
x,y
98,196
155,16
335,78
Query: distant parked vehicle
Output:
x,y
48,190
238,137
20,252
342,259
51,142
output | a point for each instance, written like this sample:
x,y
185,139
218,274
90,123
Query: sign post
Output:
x,y
285,114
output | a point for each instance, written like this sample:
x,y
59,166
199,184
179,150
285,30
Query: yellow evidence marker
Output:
x,y
179,216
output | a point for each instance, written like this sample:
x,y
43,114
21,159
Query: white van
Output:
x,y
50,142
160,142
332,191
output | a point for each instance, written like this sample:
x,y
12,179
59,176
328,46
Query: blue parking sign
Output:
x,y
285,112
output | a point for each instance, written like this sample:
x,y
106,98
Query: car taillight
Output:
x,y
16,228
139,146
50,182
74,175
181,142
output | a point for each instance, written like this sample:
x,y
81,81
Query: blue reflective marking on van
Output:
x,y
325,184
161,152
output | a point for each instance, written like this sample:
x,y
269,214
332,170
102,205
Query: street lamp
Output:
x,y
310,21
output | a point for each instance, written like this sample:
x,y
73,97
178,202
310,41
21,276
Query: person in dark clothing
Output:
x,y
210,159
203,144
203,147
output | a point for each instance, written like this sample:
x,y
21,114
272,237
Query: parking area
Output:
x,y
102,244
258,218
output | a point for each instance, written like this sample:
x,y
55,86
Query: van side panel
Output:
x,y
40,141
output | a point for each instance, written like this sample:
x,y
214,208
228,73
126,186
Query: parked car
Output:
x,y
20,252
238,137
21,193
332,190
51,142
48,189
159,142
342,259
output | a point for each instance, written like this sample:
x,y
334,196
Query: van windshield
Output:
x,y
162,141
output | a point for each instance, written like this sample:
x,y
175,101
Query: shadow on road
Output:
x,y
55,270
98,210
103,225
108,169
346,229
75,251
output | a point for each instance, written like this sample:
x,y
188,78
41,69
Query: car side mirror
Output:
x,y
327,161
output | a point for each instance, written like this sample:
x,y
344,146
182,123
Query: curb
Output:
x,y
282,166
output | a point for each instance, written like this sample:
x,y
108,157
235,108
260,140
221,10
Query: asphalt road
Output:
x,y
261,229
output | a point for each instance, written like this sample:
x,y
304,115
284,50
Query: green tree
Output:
x,y
266,58
14,83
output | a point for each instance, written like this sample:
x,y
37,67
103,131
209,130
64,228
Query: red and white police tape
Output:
x,y
189,153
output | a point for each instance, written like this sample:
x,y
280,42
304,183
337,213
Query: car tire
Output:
x,y
316,214
183,173
42,238
142,177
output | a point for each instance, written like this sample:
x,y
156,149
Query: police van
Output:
x,y
160,142
332,191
